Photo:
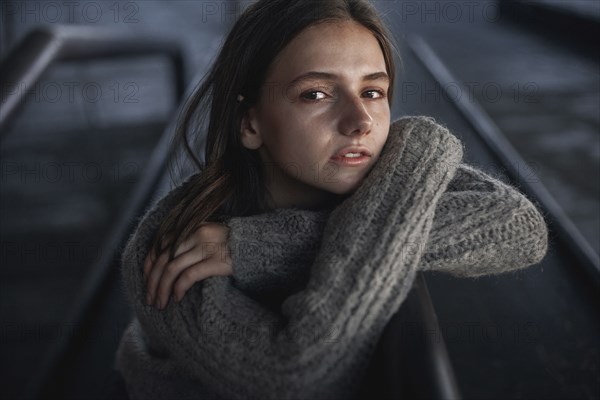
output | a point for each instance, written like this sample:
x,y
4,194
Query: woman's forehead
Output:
x,y
340,49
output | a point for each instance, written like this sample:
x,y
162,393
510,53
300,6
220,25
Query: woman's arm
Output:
x,y
274,251
359,278
484,226
481,226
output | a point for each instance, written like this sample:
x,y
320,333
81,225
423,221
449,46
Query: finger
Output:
x,y
202,236
148,262
173,269
156,266
154,276
196,273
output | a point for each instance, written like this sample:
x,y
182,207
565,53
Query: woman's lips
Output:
x,y
356,148
351,161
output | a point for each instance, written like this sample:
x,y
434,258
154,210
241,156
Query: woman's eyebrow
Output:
x,y
315,75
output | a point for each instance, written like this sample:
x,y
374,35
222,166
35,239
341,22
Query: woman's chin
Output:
x,y
345,189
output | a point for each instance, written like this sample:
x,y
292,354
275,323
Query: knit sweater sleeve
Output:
x,y
320,343
481,226
484,226
274,251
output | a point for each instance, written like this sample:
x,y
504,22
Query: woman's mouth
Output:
x,y
351,159
355,154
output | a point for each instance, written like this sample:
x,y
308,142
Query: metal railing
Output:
x,y
492,136
23,67
44,46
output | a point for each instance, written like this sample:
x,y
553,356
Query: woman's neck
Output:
x,y
308,197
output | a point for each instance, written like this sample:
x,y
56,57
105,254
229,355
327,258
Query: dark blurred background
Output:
x,y
89,131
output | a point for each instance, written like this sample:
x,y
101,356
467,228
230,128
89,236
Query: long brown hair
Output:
x,y
230,182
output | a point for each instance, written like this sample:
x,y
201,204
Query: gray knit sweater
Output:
x,y
334,278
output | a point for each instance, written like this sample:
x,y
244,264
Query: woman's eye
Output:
x,y
313,95
377,93
318,95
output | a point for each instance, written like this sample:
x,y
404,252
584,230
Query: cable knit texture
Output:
x,y
334,277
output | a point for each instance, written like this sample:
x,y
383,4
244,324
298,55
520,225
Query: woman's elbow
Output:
x,y
533,230
525,236
517,242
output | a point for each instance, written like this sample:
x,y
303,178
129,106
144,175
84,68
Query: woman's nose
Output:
x,y
356,118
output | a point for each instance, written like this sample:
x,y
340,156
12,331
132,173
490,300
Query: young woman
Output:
x,y
273,271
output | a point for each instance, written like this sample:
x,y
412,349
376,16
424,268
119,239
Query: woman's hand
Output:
x,y
205,253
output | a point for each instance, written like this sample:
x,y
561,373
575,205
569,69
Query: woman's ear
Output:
x,y
249,131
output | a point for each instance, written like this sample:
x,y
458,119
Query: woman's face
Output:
x,y
299,124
